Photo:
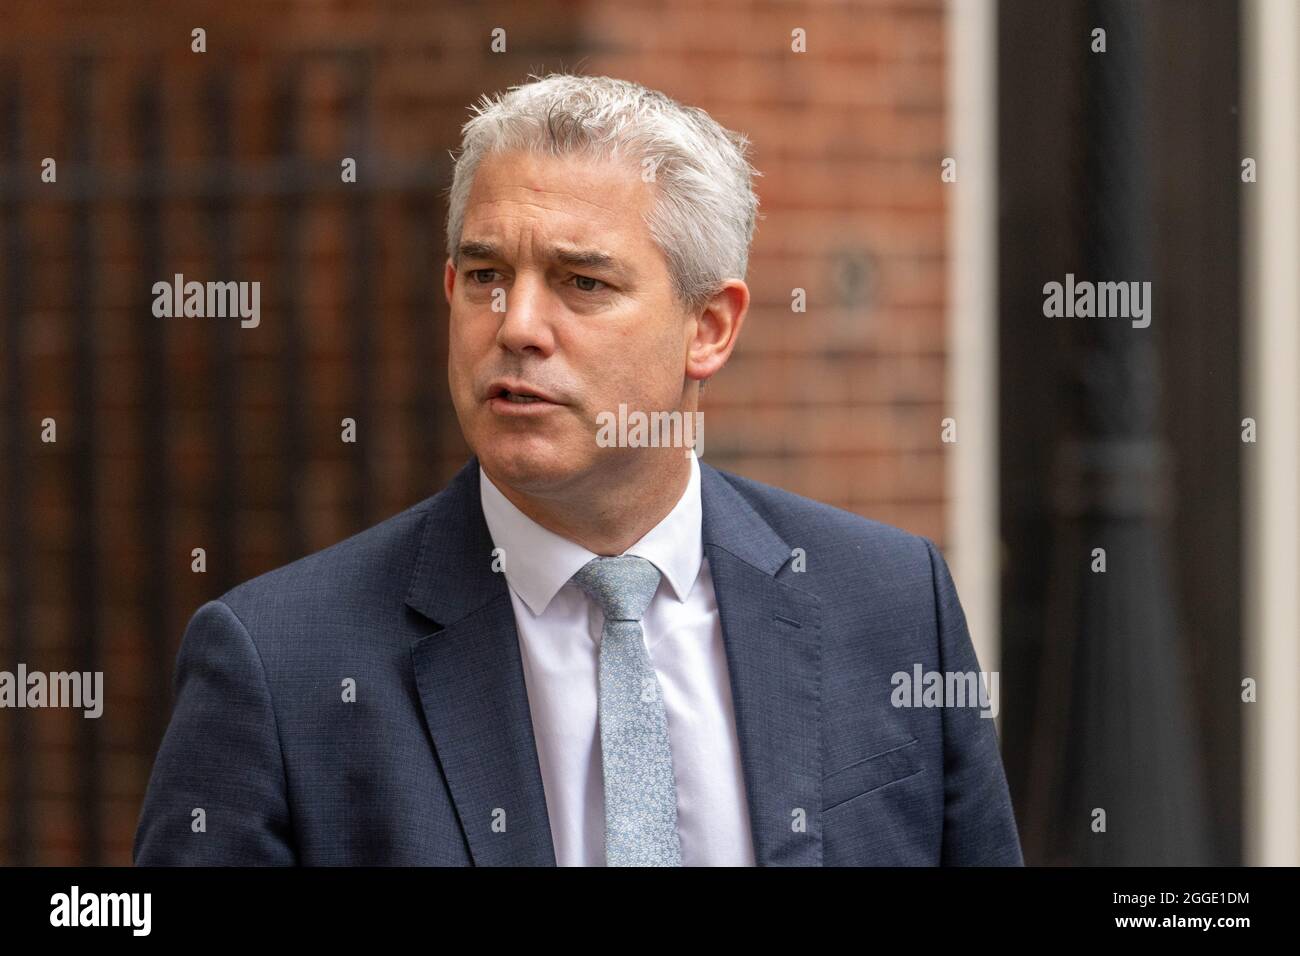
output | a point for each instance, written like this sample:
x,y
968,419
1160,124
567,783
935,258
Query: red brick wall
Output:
x,y
841,403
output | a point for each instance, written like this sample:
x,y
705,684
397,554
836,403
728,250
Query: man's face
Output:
x,y
589,320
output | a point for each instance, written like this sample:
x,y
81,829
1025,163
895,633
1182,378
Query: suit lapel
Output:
x,y
770,630
470,679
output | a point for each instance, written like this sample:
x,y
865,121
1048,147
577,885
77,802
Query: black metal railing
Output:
x,y
402,195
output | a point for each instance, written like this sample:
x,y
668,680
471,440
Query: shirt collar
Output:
x,y
538,562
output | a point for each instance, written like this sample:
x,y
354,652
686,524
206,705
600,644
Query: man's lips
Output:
x,y
517,393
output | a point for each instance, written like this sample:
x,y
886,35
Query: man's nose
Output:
x,y
527,320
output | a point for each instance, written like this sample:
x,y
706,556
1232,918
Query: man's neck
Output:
x,y
611,519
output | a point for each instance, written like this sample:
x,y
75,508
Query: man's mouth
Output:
x,y
517,393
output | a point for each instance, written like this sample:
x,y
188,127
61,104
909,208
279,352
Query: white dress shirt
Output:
x,y
559,639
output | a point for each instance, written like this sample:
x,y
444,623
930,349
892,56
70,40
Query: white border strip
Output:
x,y
972,462
1271,392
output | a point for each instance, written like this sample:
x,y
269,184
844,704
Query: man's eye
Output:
x,y
579,281
476,274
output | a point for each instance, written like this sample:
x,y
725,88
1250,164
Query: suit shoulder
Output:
x,y
365,561
797,519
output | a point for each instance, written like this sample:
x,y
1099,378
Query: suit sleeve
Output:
x,y
979,827
220,755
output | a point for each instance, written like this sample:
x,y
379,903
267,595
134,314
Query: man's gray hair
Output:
x,y
705,209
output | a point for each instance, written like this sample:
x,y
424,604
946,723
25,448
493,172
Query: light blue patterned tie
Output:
x,y
640,791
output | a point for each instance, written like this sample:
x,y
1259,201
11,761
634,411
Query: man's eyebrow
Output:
x,y
475,249
586,259
566,255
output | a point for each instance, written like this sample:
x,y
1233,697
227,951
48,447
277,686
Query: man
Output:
x,y
581,652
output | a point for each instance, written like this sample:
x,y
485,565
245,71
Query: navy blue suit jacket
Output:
x,y
438,744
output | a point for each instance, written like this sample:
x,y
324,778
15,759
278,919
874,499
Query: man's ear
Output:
x,y
716,330
449,279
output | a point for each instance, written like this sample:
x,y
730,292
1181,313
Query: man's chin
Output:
x,y
529,465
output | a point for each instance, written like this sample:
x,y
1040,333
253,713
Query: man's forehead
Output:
x,y
583,186
574,210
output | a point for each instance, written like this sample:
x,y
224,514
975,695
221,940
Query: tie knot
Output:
x,y
622,586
